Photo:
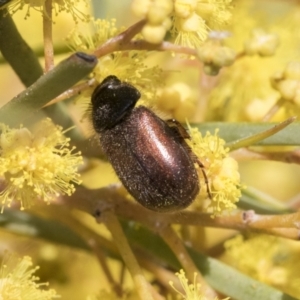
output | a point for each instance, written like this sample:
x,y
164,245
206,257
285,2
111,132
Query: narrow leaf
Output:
x,y
27,224
47,87
16,51
254,139
261,203
220,276
230,132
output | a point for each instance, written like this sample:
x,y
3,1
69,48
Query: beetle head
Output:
x,y
111,101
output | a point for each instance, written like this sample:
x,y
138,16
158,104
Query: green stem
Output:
x,y
97,244
120,239
254,139
118,42
94,201
39,51
17,52
47,87
177,246
223,278
273,110
47,31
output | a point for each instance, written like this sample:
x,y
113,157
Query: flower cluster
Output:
x,y
246,97
221,170
261,43
157,13
17,281
179,99
190,20
215,56
269,259
68,6
36,165
191,291
97,33
128,66
287,83
245,86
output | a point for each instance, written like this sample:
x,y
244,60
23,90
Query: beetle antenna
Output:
x,y
205,178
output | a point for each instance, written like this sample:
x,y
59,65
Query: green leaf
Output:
x,y
16,51
256,138
233,283
220,276
261,203
27,224
47,87
289,136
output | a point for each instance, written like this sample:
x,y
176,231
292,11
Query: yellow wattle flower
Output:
x,y
68,6
157,13
191,291
17,281
129,66
36,165
269,259
221,170
192,20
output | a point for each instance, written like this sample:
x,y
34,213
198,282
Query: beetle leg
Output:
x,y
200,164
175,125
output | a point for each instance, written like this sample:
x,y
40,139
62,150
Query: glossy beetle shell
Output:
x,y
150,158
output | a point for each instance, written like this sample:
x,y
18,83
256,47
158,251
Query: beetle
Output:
x,y
149,155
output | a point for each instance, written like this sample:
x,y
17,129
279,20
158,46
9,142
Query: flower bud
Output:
x,y
154,33
287,88
184,8
168,98
140,7
292,70
214,56
261,43
159,11
192,23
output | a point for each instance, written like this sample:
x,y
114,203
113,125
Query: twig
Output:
x,y
95,201
177,246
95,241
164,46
116,43
162,275
74,91
143,45
47,31
97,249
242,154
240,55
294,202
291,221
124,41
288,233
273,110
119,238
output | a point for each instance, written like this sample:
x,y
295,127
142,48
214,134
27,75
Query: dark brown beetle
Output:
x,y
149,155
